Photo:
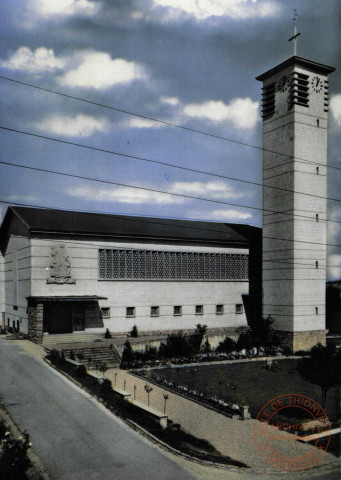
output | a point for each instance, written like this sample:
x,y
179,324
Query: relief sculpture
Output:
x,y
60,266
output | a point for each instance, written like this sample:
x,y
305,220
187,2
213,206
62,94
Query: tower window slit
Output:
x,y
317,217
317,170
317,264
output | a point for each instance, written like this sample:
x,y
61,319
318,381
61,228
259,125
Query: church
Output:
x,y
73,272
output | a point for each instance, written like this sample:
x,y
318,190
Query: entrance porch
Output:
x,y
62,315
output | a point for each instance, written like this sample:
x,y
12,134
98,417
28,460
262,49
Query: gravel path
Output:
x,y
231,437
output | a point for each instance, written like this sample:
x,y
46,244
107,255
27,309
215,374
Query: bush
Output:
x,y
107,334
226,346
72,355
81,371
127,355
13,459
134,332
176,346
106,386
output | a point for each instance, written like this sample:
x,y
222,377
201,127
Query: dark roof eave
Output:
x,y
302,62
70,298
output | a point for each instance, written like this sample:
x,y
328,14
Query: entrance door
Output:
x,y
58,317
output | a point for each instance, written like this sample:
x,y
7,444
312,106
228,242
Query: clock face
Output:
x,y
316,83
283,83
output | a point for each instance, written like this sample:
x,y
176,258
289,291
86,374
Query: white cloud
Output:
x,y
123,195
202,9
334,270
221,215
137,122
48,8
41,60
174,101
242,112
215,190
98,70
335,107
79,126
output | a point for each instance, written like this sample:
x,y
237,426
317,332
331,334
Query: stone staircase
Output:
x,y
92,355
71,338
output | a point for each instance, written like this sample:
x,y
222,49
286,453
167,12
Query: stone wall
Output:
x,y
35,322
302,340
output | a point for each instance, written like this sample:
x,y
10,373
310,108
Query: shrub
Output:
x,y
107,333
127,355
106,386
81,371
72,355
176,346
207,347
228,345
134,332
13,459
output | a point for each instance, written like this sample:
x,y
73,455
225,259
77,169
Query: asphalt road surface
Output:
x,y
76,438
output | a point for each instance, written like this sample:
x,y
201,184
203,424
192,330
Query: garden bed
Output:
x,y
173,435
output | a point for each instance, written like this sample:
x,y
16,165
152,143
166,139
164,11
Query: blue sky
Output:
x,y
189,62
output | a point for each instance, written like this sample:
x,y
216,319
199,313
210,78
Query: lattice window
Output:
x,y
177,311
135,264
184,265
178,265
172,265
199,309
154,311
142,264
115,270
130,312
190,265
122,264
101,264
195,266
217,266
108,264
166,265
160,273
219,309
148,264
154,264
201,266
207,266
129,264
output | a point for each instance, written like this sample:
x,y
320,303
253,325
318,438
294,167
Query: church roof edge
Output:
x,y
300,61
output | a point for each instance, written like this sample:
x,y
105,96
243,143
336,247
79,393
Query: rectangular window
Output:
x,y
239,308
105,312
199,309
130,312
219,309
126,264
177,310
154,311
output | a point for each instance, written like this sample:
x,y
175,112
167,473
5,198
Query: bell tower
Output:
x,y
295,110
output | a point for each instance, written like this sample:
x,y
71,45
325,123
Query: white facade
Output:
x,y
116,304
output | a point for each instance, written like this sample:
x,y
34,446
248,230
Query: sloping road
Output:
x,y
75,437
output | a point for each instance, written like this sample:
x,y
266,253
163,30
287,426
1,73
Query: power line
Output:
x,y
193,130
161,223
54,172
134,157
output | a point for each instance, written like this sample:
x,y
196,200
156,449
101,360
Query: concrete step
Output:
x,y
92,356
71,338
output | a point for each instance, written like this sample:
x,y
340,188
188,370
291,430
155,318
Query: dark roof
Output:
x,y
301,62
38,221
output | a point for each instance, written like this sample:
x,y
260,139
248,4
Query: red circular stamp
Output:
x,y
282,423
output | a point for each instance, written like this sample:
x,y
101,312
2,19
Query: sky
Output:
x,y
187,62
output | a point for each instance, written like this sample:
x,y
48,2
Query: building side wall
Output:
x,y
2,291
141,294
17,282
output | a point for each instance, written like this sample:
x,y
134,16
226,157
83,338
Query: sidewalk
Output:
x,y
231,437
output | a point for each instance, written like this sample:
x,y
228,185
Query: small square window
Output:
x,y
199,309
219,309
130,312
239,308
177,310
105,312
154,311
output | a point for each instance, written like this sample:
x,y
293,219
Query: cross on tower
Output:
x,y
294,37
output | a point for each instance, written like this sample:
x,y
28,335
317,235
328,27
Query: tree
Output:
x,y
196,339
134,332
127,355
322,368
175,346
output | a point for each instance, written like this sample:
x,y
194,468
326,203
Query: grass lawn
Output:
x,y
255,385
